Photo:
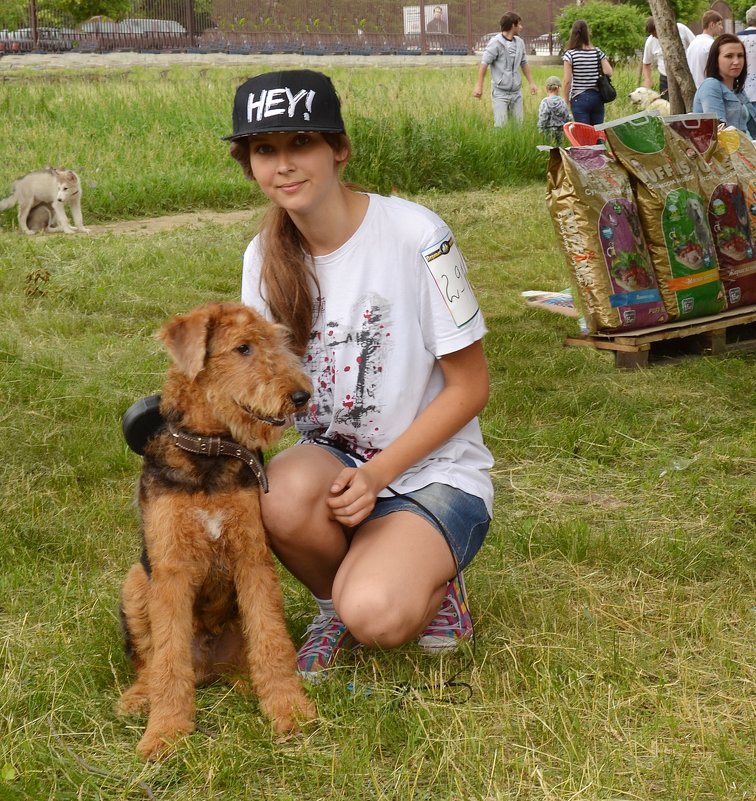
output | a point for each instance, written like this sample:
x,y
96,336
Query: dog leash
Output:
x,y
215,446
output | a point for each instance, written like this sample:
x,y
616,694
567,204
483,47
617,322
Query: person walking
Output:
x,y
583,63
387,496
748,37
653,53
698,50
553,112
505,55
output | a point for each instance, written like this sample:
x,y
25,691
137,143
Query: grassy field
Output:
x,y
613,600
148,141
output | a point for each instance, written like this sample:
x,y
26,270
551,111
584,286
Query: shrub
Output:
x,y
618,30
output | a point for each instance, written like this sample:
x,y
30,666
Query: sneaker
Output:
x,y
452,623
326,636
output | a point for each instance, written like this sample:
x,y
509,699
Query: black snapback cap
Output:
x,y
291,100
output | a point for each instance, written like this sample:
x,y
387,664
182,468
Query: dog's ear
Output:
x,y
185,337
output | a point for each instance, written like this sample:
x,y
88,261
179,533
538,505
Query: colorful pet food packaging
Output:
x,y
673,214
597,225
727,206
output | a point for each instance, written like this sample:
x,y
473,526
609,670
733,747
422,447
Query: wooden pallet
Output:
x,y
733,330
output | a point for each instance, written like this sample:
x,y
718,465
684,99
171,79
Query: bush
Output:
x,y
618,30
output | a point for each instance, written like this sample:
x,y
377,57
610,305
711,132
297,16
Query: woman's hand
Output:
x,y
465,392
353,495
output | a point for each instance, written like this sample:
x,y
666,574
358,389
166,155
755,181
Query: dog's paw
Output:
x,y
155,744
134,701
288,719
83,230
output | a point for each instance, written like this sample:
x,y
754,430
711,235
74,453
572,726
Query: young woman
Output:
x,y
583,63
722,93
387,497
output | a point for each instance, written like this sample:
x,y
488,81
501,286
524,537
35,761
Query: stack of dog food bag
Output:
x,y
659,226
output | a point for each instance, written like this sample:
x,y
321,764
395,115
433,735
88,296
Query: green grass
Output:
x,y
148,141
613,599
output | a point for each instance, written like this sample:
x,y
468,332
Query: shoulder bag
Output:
x,y
604,84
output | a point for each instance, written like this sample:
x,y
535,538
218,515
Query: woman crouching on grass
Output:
x,y
386,497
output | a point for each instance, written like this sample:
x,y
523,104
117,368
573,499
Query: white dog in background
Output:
x,y
41,197
649,100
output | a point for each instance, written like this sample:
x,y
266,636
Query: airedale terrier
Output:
x,y
205,600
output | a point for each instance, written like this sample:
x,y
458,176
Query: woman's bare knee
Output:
x,y
377,617
298,483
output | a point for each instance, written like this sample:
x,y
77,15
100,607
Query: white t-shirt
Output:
x,y
686,35
652,51
393,299
748,37
696,54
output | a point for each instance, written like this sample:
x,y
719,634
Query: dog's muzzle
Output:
x,y
298,399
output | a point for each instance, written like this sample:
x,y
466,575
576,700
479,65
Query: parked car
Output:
x,y
159,26
480,45
541,46
97,27
48,38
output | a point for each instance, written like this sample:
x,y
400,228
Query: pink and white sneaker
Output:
x,y
453,622
326,637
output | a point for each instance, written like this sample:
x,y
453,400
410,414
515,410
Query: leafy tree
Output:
x,y
683,10
14,14
619,30
739,8
681,86
81,10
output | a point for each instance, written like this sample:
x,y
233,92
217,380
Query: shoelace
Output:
x,y
327,630
448,617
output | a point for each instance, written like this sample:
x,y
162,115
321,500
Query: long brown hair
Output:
x,y
286,278
712,60
580,37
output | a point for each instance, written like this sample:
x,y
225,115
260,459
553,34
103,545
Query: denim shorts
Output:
x,y
462,519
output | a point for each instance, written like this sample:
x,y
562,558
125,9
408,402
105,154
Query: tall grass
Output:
x,y
148,142
613,599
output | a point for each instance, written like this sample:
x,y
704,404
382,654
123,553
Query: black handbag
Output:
x,y
604,84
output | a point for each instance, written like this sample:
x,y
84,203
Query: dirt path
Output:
x,y
155,224
10,64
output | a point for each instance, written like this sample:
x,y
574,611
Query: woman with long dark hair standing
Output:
x,y
583,63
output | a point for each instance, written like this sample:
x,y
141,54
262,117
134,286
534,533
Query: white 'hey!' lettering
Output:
x,y
274,102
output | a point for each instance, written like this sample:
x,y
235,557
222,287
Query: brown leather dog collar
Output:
x,y
215,446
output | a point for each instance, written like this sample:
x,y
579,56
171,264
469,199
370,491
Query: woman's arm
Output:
x,y
567,80
464,395
606,67
711,98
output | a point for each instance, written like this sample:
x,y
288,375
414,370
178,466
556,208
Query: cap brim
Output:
x,y
234,137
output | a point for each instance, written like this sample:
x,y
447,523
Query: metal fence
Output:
x,y
361,27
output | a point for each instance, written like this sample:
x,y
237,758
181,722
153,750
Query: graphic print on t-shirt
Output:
x,y
449,271
346,367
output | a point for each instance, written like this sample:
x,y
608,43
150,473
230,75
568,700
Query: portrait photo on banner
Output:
x,y
436,19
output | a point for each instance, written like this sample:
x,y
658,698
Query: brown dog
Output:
x,y
205,599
